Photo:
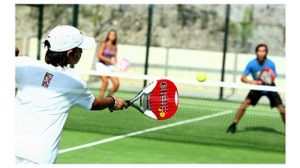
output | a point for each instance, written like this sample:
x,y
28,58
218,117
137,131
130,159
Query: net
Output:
x,y
202,117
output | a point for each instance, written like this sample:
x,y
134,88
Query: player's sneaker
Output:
x,y
232,128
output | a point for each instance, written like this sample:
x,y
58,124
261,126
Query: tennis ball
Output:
x,y
201,77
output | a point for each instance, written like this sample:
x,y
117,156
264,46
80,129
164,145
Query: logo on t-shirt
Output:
x,y
47,79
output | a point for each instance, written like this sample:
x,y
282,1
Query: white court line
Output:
x,y
145,131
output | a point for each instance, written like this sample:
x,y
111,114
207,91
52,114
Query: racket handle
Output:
x,y
128,102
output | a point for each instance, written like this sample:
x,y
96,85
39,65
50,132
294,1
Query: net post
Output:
x,y
226,28
150,13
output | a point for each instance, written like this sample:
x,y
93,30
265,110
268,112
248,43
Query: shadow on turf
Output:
x,y
259,128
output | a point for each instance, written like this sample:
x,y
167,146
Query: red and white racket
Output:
x,y
159,100
267,76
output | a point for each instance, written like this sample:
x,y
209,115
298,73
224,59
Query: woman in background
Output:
x,y
107,56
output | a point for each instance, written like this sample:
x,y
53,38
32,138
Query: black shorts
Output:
x,y
255,95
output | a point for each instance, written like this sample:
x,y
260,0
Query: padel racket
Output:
x,y
267,76
159,100
124,64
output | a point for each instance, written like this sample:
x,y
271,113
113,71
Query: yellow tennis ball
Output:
x,y
201,77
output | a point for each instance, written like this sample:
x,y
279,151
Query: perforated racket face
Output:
x,y
163,100
267,76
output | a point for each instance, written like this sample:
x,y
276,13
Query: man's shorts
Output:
x,y
255,95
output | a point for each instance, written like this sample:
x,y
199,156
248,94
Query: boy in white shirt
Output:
x,y
46,91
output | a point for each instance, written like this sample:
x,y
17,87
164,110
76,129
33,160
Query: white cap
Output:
x,y
64,38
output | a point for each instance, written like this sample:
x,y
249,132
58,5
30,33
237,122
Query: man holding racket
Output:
x,y
255,67
46,91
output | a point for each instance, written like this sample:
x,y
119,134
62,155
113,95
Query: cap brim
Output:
x,y
88,43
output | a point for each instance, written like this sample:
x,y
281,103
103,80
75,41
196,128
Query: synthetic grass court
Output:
x,y
260,137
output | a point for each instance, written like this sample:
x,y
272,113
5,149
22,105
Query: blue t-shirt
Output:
x,y
254,68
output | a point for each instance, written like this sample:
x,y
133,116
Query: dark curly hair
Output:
x,y
55,58
262,45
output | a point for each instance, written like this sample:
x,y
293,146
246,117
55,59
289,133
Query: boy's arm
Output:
x,y
110,102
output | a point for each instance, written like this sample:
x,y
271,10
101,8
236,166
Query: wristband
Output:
x,y
112,106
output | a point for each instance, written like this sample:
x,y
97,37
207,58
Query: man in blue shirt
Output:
x,y
254,68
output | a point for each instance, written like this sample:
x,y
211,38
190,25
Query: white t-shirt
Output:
x,y
45,94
